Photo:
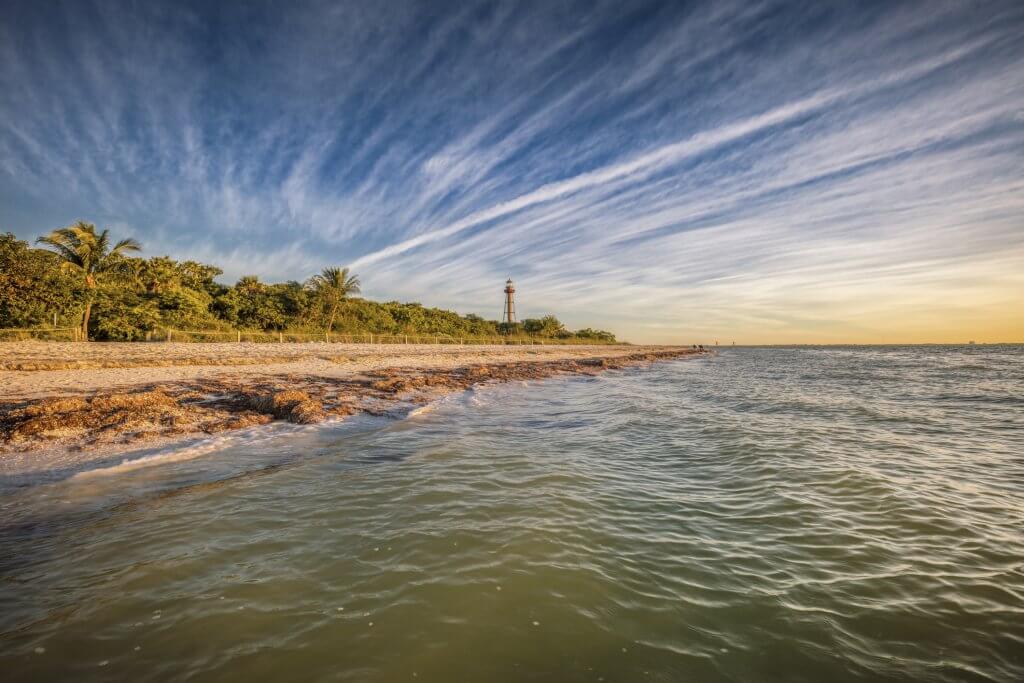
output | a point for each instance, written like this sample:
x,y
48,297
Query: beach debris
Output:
x,y
51,418
235,421
112,418
213,405
307,412
343,410
277,403
291,404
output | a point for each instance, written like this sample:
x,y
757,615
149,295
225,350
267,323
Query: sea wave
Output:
x,y
164,456
746,517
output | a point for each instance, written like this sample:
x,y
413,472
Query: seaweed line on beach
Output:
x,y
212,405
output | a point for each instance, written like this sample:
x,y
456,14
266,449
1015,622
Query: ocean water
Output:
x,y
807,514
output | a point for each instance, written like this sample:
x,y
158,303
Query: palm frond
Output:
x,y
81,246
65,236
63,247
332,276
352,284
102,242
124,245
334,282
84,233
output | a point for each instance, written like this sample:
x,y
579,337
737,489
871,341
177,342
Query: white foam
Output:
x,y
180,453
158,458
423,410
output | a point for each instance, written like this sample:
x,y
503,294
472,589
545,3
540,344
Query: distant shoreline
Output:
x,y
168,392
861,345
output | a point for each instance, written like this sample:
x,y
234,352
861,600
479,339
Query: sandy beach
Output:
x,y
104,398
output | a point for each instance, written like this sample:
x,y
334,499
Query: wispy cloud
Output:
x,y
756,171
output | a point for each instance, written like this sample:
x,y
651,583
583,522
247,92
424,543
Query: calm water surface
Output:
x,y
843,514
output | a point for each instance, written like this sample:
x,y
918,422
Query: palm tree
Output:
x,y
88,253
331,286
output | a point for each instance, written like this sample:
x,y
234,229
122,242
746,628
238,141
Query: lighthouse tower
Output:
x,y
509,316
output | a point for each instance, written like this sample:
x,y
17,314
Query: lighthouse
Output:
x,y
509,316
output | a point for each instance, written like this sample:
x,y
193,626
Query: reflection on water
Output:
x,y
766,515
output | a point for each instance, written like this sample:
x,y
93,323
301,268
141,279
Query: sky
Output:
x,y
818,172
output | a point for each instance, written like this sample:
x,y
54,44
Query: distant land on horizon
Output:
x,y
811,344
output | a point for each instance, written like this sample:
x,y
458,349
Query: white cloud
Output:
x,y
843,171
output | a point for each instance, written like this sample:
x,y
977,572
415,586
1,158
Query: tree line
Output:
x,y
80,278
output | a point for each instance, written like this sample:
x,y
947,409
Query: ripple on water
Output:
x,y
799,514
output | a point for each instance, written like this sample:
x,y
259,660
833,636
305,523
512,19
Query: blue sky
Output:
x,y
764,172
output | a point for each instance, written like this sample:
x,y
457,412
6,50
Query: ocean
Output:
x,y
766,514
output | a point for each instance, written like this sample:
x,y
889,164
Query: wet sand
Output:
x,y
115,397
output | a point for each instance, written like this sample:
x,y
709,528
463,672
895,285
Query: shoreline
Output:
x,y
76,416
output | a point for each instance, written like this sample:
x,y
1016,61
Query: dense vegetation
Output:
x,y
84,281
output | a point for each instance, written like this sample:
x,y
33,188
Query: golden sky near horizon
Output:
x,y
910,304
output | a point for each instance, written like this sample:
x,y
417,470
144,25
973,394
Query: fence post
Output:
x,y
168,334
239,336
280,337
327,336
